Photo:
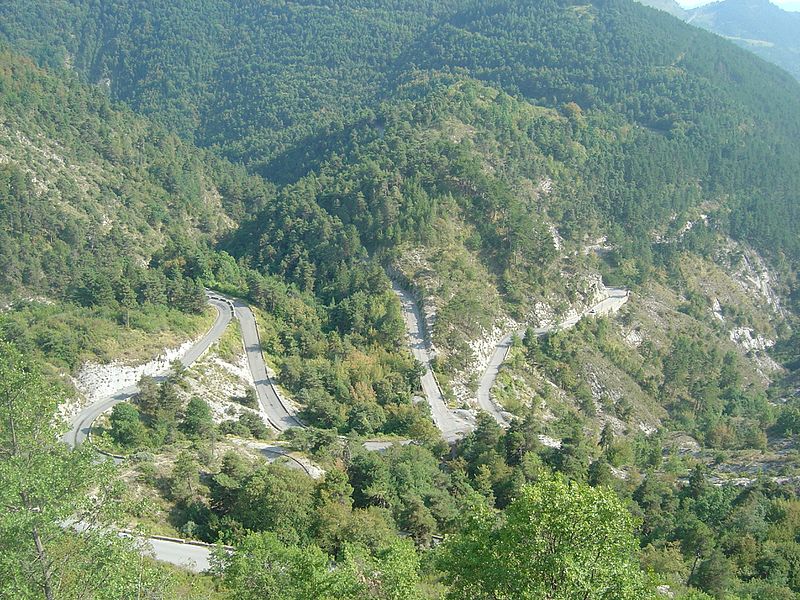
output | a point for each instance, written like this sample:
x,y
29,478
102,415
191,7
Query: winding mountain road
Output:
x,y
616,298
188,554
81,423
452,425
279,414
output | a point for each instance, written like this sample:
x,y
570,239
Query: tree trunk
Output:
x,y
694,566
42,554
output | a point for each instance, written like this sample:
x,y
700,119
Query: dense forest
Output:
x,y
135,235
509,504
296,155
249,78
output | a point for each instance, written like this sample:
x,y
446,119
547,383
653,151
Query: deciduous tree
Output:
x,y
556,541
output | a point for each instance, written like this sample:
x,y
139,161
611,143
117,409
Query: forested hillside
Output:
x,y
87,181
260,78
115,219
100,209
504,161
760,26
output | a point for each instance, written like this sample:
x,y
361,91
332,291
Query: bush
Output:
x,y
127,429
250,400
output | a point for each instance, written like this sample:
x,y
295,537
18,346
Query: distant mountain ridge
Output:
x,y
668,6
757,25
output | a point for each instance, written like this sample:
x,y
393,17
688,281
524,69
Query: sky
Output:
x,y
784,4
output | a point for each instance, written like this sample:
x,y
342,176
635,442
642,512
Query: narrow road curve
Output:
x,y
196,557
451,425
612,303
193,557
81,423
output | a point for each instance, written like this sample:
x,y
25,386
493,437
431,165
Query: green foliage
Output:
x,y
58,505
408,481
158,417
247,425
692,376
723,533
342,360
683,107
263,567
127,429
96,226
185,477
65,335
198,421
556,540
278,499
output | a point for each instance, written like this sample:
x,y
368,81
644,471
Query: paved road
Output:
x,y
194,558
274,452
191,556
616,298
383,445
279,414
451,425
82,422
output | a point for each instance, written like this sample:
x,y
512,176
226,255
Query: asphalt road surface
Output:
x,y
451,425
188,555
615,300
280,415
194,558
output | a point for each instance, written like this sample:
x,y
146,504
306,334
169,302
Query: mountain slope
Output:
x,y
108,234
484,205
99,212
758,25
507,161
668,6
272,83
87,184
510,137
250,75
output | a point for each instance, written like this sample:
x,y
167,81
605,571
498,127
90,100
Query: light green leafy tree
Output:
x,y
126,427
557,541
263,568
56,536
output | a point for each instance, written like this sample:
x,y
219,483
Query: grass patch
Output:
x,y
65,335
229,346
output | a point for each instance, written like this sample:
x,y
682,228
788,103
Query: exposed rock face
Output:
x,y
749,339
95,381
